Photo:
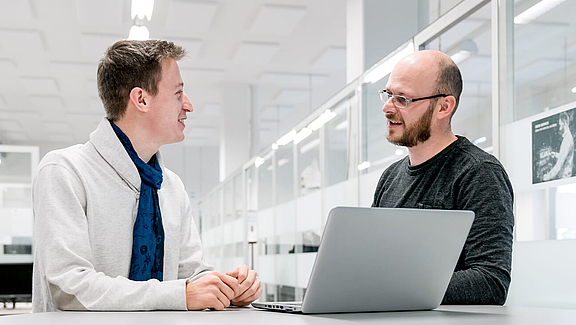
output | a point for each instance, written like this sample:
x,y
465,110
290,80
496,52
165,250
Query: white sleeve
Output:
x,y
63,254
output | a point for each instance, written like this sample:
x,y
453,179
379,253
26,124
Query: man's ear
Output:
x,y
447,105
139,98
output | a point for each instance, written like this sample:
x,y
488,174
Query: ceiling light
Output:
x,y
385,68
303,134
468,48
139,33
142,8
282,162
363,165
341,126
259,161
274,146
536,11
479,140
574,90
399,152
321,120
287,138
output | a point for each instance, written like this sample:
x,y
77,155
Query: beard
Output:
x,y
415,133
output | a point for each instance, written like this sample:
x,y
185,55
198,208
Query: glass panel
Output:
x,y
336,146
469,45
309,164
16,220
265,191
284,174
229,212
238,197
541,125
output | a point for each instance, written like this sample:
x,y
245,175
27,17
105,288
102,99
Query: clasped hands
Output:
x,y
218,291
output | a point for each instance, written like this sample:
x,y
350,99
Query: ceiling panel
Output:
x,y
29,41
101,12
7,65
50,103
292,96
277,19
61,137
300,80
190,75
331,58
16,10
15,136
191,16
255,53
192,46
10,125
40,86
95,44
57,127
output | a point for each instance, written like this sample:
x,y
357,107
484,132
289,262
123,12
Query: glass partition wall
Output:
x,y
17,169
518,103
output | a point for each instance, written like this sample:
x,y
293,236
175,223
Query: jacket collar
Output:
x,y
111,149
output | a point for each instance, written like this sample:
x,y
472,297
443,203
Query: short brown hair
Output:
x,y
128,64
449,80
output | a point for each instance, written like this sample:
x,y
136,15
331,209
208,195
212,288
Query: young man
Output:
x,y
445,171
113,226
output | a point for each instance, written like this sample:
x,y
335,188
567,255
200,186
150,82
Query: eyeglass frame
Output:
x,y
408,101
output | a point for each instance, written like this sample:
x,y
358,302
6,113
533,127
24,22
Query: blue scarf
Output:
x,y
147,260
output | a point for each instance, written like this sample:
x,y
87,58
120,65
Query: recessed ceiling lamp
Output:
x,y
139,33
536,11
142,8
574,90
468,48
364,165
141,12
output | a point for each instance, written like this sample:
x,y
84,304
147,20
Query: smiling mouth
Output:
x,y
394,122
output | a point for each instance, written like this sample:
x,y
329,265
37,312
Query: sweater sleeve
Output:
x,y
64,256
482,275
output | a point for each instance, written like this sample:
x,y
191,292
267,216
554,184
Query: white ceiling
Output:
x,y
49,51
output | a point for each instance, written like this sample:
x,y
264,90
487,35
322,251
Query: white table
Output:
x,y
468,315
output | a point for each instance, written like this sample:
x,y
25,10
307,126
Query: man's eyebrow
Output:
x,y
180,85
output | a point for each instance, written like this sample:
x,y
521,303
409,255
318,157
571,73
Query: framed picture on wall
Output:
x,y
553,147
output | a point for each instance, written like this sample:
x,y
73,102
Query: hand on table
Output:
x,y
249,286
214,290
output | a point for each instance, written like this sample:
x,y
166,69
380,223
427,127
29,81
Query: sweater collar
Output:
x,y
111,149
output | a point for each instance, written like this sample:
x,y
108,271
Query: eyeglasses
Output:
x,y
400,101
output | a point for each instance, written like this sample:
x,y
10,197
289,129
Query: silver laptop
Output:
x,y
380,259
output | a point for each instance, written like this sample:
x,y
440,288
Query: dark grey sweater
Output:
x,y
462,177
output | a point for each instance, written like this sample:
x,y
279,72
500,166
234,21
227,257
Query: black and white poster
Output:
x,y
553,147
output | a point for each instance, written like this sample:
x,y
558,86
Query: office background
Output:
x,y
288,123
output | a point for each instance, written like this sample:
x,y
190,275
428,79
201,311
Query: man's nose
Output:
x,y
187,104
389,106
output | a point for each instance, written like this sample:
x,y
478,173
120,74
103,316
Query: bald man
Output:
x,y
446,171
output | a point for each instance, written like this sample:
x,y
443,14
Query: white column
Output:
x,y
234,127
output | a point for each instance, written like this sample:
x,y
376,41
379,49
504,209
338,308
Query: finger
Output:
x,y
249,299
249,292
220,302
232,283
248,282
242,273
233,273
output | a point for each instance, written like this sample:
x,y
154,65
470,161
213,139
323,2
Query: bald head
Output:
x,y
431,72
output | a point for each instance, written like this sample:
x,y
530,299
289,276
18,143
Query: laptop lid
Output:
x,y
382,259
